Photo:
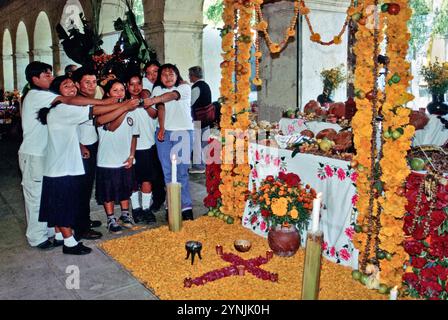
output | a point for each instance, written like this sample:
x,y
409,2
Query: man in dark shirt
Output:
x,y
201,96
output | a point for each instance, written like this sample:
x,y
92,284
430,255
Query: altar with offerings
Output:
x,y
334,178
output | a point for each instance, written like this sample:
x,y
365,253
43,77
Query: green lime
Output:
x,y
224,217
388,256
395,78
358,228
211,213
364,279
384,7
356,274
396,134
387,134
217,213
401,130
383,288
220,216
380,254
230,220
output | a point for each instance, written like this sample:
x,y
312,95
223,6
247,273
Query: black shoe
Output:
x,y
79,249
137,215
57,243
46,245
187,215
149,216
95,223
90,235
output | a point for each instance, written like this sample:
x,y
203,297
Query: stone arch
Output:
x,y
21,54
42,39
175,31
8,65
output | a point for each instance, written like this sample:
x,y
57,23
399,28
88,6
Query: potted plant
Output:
x,y
285,205
436,76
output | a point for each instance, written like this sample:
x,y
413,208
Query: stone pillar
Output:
x,y
7,80
21,61
292,78
175,32
57,51
278,71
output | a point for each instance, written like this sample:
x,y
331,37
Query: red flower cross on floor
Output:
x,y
237,267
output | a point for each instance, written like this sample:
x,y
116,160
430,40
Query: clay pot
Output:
x,y
330,134
418,119
307,133
312,107
338,109
284,241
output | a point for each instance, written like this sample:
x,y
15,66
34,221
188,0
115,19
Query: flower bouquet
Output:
x,y
331,79
436,76
284,201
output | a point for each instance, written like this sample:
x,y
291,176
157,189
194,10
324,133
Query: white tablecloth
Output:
x,y
290,126
434,133
331,177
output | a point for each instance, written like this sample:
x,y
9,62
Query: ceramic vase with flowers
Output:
x,y
436,76
285,205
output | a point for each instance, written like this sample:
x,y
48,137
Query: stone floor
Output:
x,y
28,273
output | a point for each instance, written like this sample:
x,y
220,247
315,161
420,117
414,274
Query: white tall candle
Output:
x,y
173,169
316,213
393,293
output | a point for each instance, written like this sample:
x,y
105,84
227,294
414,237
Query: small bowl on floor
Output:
x,y
242,245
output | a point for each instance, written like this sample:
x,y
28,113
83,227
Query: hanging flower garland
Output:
x,y
397,139
235,105
363,126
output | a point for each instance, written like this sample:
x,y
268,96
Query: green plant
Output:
x,y
436,75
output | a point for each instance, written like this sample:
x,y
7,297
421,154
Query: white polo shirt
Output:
x,y
87,130
63,157
115,147
147,127
35,134
148,85
177,112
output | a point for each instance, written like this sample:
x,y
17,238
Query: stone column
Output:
x,y
278,71
7,81
57,51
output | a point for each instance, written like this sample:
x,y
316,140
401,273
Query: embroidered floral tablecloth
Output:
x,y
291,126
433,133
334,178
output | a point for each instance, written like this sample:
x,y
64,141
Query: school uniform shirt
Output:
x,y
115,147
62,154
148,85
177,112
35,134
87,130
147,128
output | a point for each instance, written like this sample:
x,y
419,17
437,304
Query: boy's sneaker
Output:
x,y
149,216
113,226
126,221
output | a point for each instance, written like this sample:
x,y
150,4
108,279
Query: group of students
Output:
x,y
123,138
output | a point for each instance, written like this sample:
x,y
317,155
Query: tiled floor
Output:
x,y
28,273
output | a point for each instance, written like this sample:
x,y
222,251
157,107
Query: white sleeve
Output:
x,y
45,98
195,92
184,91
75,114
135,127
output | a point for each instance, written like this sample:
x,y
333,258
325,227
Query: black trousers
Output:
x,y
82,222
158,184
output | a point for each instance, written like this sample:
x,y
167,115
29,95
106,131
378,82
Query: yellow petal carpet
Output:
x,y
156,258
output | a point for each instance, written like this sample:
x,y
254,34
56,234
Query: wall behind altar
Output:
x,y
283,84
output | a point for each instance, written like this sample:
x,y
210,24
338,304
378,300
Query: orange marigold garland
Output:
x,y
235,113
395,148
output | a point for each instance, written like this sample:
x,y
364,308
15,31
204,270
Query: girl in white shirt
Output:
x,y
63,169
116,152
172,97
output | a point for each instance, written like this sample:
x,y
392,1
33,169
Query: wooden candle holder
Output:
x,y
311,270
174,206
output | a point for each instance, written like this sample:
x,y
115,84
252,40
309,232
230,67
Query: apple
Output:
x,y
417,164
393,9
370,95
